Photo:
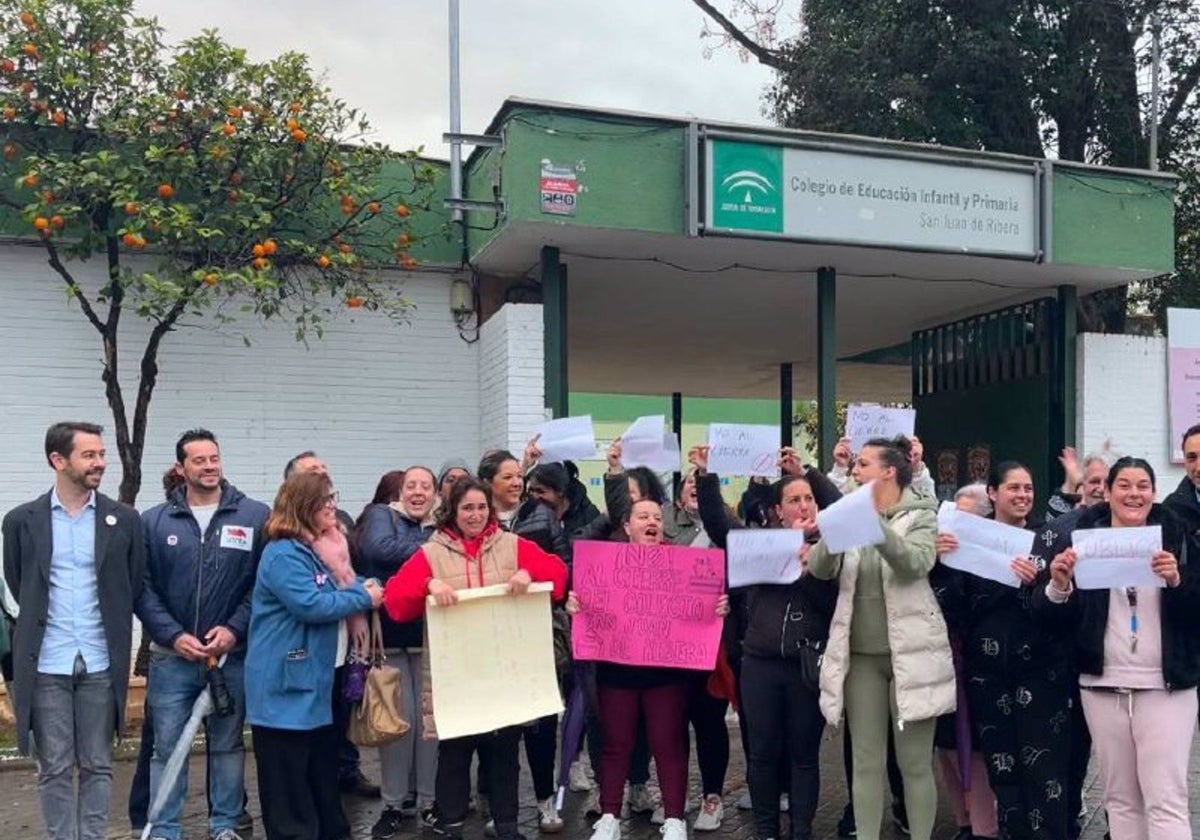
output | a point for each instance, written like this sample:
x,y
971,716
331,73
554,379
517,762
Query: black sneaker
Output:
x,y
388,824
846,826
360,786
963,833
900,816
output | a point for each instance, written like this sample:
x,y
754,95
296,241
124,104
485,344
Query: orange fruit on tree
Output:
x,y
258,250
228,129
233,195
298,135
31,180
29,21
58,117
210,279
345,248
402,211
354,302
292,124
165,191
410,263
48,196
31,50
131,209
57,221
181,94
269,247
261,263
402,240
7,66
26,87
97,47
41,223
295,108
234,112
10,151
373,207
10,113
323,261
129,239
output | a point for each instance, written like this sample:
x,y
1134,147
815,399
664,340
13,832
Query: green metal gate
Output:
x,y
986,389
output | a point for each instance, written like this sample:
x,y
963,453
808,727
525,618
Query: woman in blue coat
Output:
x,y
297,604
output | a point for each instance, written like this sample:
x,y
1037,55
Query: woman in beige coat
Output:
x,y
888,657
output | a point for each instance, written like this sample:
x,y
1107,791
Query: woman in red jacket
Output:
x,y
468,551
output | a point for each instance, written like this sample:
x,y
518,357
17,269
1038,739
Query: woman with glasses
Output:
x,y
1138,658
304,588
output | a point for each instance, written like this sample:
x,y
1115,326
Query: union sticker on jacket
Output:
x,y
237,536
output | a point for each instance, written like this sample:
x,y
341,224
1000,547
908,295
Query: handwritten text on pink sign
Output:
x,y
653,605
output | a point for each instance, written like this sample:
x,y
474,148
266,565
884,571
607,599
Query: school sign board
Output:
x,y
811,194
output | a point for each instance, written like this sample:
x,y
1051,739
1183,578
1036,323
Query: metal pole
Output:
x,y
1155,46
827,431
785,404
455,114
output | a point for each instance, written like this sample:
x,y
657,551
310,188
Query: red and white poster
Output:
x,y
560,188
1183,375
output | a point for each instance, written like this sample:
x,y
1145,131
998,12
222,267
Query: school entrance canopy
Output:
x,y
707,259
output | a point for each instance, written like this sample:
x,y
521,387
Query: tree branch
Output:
x,y
765,56
1187,85
73,285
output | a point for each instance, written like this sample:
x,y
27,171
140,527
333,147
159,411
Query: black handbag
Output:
x,y
811,654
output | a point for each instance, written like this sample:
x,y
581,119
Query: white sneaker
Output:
x,y
549,822
784,803
712,811
641,799
659,817
606,828
674,829
578,778
591,807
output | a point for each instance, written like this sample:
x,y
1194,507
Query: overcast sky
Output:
x,y
389,57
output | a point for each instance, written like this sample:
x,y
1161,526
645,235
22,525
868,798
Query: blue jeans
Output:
x,y
175,684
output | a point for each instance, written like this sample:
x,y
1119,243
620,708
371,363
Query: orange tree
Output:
x,y
184,184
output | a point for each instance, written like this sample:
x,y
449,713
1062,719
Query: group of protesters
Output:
x,y
262,611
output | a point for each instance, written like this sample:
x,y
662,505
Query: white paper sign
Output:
x,y
864,422
642,443
738,449
986,548
667,461
851,522
496,646
1116,557
763,555
566,439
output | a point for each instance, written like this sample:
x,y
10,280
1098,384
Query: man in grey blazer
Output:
x,y
74,561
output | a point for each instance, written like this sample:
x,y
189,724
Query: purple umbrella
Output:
x,y
574,719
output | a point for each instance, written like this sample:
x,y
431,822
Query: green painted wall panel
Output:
x,y
630,173
1115,220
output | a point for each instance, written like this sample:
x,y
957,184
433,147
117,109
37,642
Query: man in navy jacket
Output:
x,y
202,547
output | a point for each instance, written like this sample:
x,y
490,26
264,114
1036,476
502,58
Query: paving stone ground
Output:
x,y
20,816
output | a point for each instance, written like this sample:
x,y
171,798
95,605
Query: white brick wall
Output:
x,y
511,377
1122,397
369,397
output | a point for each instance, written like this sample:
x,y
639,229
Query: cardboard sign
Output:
x,y
650,605
496,646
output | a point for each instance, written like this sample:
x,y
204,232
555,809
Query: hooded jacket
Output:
x,y
1185,506
916,631
386,539
580,510
1084,615
194,581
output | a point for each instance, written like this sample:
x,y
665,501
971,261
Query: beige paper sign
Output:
x,y
491,657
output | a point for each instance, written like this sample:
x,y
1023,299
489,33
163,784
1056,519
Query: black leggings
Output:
x,y
784,722
541,742
706,714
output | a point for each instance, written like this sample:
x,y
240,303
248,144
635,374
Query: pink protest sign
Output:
x,y
653,605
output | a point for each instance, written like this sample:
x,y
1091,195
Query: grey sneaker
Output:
x,y
227,834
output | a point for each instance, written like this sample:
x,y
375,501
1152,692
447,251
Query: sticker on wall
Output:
x,y
559,188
